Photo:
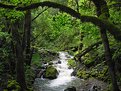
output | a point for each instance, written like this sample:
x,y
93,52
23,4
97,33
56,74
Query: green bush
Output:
x,y
13,85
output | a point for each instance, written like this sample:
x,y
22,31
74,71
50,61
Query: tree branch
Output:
x,y
91,47
7,6
115,31
40,14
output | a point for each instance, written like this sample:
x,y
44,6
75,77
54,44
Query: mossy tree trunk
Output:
x,y
102,10
110,62
20,75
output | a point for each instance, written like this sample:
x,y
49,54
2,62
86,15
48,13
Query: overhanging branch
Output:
x,y
116,32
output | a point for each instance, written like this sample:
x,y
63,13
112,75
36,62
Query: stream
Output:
x,y
64,78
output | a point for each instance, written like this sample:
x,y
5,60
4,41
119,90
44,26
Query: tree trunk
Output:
x,y
102,8
26,37
109,60
19,57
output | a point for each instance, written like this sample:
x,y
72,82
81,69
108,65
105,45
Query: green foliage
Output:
x,y
5,50
36,57
89,63
117,52
36,62
90,33
30,76
72,63
13,86
57,31
115,17
43,56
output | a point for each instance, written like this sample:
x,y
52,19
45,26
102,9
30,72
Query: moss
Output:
x,y
72,63
103,75
100,72
94,72
83,74
51,73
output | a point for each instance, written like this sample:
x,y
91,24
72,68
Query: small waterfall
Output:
x,y
64,78
64,72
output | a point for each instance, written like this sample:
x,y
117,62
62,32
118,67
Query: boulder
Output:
x,y
72,88
50,73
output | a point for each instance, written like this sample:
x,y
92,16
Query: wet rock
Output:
x,y
44,62
69,67
59,62
40,73
95,88
37,72
50,63
74,73
72,88
43,66
50,73
81,90
68,56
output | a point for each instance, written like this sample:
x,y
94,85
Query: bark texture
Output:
x,y
19,58
102,10
110,62
27,30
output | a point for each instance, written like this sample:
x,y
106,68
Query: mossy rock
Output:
x,y
50,73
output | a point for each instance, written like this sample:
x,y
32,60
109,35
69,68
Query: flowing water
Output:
x,y
64,78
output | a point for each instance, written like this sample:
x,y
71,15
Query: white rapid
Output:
x,y
64,72
64,78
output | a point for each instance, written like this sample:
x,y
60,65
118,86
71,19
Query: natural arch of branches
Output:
x,y
115,31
